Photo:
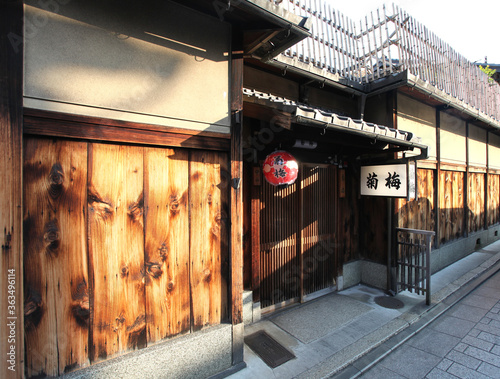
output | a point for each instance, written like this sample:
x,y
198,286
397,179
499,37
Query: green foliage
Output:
x,y
488,71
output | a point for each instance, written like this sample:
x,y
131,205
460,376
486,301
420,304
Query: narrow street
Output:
x,y
464,342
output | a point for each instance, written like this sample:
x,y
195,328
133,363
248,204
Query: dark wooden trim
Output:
x,y
89,128
299,241
466,182
40,113
255,230
236,191
486,182
11,199
437,208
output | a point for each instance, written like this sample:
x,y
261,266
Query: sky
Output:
x,y
470,30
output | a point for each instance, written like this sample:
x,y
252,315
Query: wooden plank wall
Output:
x,y
419,213
493,199
475,199
124,246
451,205
11,119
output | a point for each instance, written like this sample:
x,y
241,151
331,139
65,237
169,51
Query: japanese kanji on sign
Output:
x,y
280,168
385,180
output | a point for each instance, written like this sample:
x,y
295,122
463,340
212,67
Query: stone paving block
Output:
x,y
461,347
474,332
489,328
479,301
495,324
407,359
465,372
487,292
496,350
493,316
444,364
490,370
439,374
468,312
463,359
453,326
485,320
489,337
483,355
434,342
479,343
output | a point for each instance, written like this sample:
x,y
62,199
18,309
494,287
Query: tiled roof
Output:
x,y
306,114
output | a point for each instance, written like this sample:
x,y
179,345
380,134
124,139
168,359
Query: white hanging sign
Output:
x,y
384,180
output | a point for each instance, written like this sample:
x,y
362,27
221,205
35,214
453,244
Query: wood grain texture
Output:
x,y
91,128
166,181
475,201
11,216
493,199
208,198
56,282
451,205
116,249
418,213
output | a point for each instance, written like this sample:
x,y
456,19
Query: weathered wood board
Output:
x,y
418,213
55,258
451,205
116,249
475,201
493,199
208,198
166,190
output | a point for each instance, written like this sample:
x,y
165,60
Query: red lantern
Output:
x,y
280,168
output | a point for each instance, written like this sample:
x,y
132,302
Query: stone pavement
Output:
x,y
343,334
464,342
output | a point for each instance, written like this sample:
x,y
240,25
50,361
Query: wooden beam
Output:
x,y
11,235
72,126
236,236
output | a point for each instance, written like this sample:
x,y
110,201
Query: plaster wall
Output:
x,y
152,62
419,119
452,139
494,151
477,146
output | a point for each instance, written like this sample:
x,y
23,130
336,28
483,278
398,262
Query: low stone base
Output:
x,y
198,355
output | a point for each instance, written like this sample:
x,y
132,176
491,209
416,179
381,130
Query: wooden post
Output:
x,y
237,206
436,179
11,124
466,183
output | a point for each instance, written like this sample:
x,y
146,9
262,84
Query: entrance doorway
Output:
x,y
297,250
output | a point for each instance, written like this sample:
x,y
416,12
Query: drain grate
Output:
x,y
389,302
268,349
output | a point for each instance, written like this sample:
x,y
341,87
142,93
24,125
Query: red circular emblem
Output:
x,y
280,168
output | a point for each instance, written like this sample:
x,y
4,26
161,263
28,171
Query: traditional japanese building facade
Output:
x,y
324,100
139,232
120,217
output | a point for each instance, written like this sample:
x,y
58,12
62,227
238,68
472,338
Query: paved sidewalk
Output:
x,y
344,333
464,342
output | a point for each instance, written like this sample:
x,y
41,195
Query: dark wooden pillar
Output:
x,y
237,206
11,123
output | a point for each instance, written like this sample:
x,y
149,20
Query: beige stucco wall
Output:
x,y
494,151
477,146
161,64
452,139
419,119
